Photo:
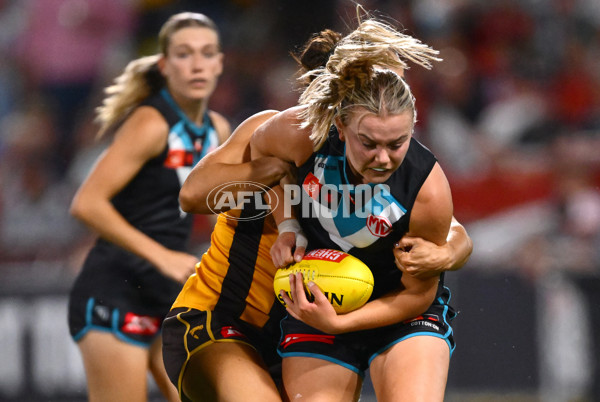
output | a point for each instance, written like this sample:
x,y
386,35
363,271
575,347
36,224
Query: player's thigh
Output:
x,y
414,369
319,380
115,370
157,367
228,371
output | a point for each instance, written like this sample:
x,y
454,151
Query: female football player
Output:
x,y
158,110
220,336
354,127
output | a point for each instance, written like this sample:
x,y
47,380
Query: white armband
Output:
x,y
292,225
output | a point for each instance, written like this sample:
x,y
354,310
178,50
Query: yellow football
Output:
x,y
344,279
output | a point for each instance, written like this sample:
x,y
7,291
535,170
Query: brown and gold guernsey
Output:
x,y
235,275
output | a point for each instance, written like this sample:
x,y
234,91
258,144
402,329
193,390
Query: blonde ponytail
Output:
x,y
136,83
347,77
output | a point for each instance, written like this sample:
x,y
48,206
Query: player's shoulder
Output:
x,y
284,136
145,128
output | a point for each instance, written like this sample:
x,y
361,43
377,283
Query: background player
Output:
x,y
158,108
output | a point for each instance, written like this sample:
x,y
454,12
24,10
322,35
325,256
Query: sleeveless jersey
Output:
x,y
235,275
363,220
150,202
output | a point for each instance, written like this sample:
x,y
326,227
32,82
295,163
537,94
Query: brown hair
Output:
x,y
315,53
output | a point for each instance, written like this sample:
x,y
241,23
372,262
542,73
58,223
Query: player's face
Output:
x,y
193,63
376,145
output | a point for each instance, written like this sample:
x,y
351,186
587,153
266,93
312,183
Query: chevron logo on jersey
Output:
x,y
183,152
354,216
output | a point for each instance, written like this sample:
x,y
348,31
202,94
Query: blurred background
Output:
x,y
513,114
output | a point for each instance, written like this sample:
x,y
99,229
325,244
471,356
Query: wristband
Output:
x,y
293,226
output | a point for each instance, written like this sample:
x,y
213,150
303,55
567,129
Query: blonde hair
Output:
x,y
359,73
141,77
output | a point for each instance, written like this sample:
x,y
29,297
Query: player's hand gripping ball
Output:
x,y
344,279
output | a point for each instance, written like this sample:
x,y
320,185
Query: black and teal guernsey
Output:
x,y
150,202
364,220
120,283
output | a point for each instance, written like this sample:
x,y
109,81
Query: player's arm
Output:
x,y
422,258
283,138
430,219
141,137
230,162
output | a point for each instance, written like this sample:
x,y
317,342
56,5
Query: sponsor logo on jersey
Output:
x,y
312,186
140,324
295,338
102,312
425,320
178,158
229,332
379,226
430,317
196,329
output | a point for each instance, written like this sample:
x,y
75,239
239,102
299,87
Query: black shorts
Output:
x,y
187,330
128,326
121,293
356,350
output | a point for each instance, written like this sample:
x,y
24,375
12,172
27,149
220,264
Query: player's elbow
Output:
x,y
426,297
187,200
77,208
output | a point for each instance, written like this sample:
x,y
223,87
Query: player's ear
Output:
x,y
340,128
220,56
161,64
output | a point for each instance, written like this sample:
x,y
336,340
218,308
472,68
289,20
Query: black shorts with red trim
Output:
x,y
356,350
187,331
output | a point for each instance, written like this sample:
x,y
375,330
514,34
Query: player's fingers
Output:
x,y
407,242
293,286
286,299
275,256
288,258
282,258
299,295
319,296
293,314
403,262
404,259
299,253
